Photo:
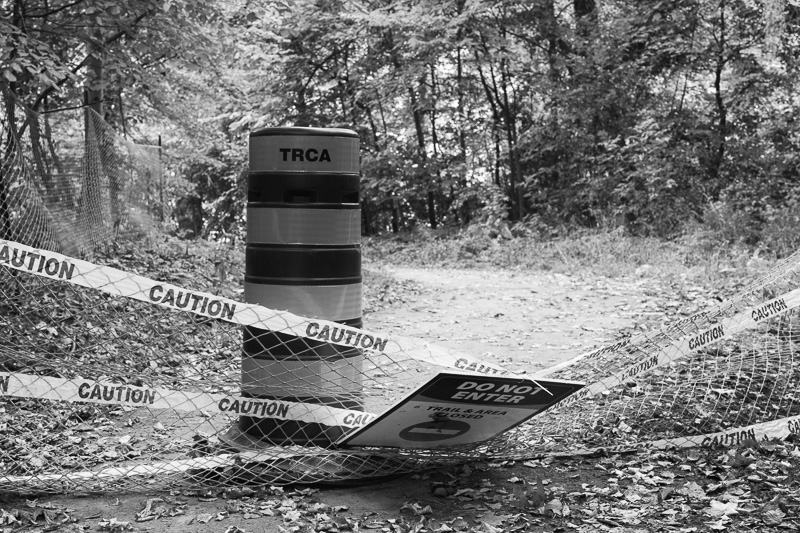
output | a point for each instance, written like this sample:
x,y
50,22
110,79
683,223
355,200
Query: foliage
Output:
x,y
643,115
703,255
50,45
215,207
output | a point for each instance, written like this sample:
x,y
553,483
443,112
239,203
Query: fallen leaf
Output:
x,y
719,525
717,508
558,507
537,496
772,514
692,490
203,518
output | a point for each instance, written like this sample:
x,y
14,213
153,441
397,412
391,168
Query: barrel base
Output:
x,y
334,469
237,440
274,432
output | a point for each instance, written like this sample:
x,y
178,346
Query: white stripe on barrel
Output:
x,y
281,225
329,302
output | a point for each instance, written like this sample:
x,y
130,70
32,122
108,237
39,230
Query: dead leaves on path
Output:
x,y
753,488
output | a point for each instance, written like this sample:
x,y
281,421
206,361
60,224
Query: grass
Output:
x,y
697,257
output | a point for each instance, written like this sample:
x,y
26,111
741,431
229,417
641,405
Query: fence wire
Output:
x,y
126,373
69,182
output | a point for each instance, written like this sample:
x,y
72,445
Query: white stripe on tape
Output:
x,y
84,390
119,283
768,309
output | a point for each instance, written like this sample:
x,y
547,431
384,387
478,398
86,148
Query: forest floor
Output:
x,y
525,320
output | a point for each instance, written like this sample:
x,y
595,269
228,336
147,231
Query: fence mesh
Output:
x,y
126,373
69,182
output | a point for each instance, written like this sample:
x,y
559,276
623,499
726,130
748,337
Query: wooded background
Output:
x,y
655,116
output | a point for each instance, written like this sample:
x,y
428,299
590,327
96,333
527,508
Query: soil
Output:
x,y
525,321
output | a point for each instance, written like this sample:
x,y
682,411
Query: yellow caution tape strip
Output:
x,y
686,345
774,429
119,283
84,390
764,431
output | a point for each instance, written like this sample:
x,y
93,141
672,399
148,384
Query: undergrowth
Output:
x,y
697,257
703,255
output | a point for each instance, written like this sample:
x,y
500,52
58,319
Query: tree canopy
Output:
x,y
649,115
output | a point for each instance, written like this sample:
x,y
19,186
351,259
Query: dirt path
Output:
x,y
526,321
523,320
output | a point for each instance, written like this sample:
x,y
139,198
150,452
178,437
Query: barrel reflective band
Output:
x,y
290,378
279,225
331,302
295,153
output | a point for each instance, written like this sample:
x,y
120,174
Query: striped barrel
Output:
x,y
303,256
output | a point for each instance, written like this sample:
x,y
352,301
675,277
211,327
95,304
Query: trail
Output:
x,y
526,321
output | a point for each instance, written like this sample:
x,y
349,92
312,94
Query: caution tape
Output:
x,y
755,433
119,283
681,347
83,390
776,429
116,282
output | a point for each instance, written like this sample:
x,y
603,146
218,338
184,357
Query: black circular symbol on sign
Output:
x,y
436,429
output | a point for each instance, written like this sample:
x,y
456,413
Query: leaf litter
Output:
x,y
752,487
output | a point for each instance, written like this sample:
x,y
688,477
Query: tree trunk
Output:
x,y
366,217
462,118
9,155
718,150
585,17
91,208
395,216
510,123
505,119
422,155
435,183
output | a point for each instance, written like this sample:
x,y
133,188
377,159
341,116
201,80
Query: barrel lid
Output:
x,y
298,130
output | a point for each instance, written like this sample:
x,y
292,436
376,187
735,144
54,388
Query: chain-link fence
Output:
x,y
128,373
115,381
69,182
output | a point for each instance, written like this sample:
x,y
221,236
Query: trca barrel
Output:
x,y
304,256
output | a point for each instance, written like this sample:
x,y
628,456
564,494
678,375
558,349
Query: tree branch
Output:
x,y
110,40
57,10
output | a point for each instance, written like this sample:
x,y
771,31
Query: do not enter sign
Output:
x,y
454,409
